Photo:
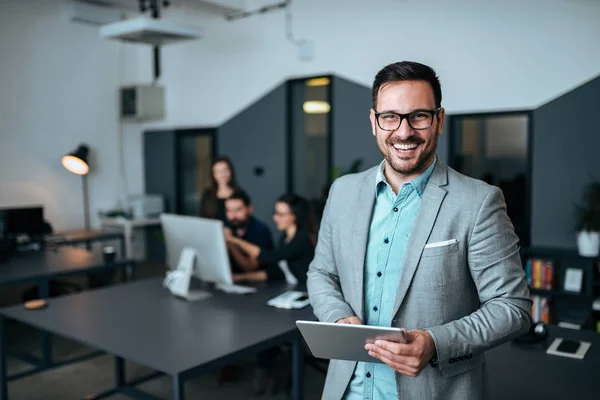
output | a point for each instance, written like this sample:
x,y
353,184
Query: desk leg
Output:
x,y
178,388
3,371
123,249
44,288
297,368
119,372
132,266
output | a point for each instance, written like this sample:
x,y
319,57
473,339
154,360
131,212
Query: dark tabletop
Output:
x,y
144,323
23,267
520,371
82,235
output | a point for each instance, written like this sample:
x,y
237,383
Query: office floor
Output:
x,y
76,381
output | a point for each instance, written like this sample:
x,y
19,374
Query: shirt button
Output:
x,y
375,308
368,374
379,274
395,209
386,240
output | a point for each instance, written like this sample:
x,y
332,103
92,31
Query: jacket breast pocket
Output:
x,y
440,250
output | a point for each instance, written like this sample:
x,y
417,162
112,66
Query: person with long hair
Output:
x,y
222,185
288,262
296,248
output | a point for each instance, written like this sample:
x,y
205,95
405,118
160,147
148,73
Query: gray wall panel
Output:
x,y
256,138
352,135
566,143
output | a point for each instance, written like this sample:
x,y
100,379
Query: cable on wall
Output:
x,y
305,46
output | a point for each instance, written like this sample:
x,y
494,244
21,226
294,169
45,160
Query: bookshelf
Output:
x,y
558,299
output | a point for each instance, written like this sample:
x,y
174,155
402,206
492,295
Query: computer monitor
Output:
x,y
22,220
206,238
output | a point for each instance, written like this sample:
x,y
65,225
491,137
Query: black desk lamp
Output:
x,y
77,163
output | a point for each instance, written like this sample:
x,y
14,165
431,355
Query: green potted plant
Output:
x,y
587,220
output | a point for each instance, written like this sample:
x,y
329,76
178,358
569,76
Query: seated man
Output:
x,y
242,224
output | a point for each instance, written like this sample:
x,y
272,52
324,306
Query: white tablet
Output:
x,y
345,341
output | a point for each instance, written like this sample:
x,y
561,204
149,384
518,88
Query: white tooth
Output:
x,y
404,147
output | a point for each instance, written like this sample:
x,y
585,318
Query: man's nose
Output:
x,y
404,131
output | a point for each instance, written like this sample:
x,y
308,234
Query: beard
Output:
x,y
424,156
239,224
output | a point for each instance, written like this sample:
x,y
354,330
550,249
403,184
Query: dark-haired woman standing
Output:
x,y
222,185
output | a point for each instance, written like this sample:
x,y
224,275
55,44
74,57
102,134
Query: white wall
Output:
x,y
501,54
58,84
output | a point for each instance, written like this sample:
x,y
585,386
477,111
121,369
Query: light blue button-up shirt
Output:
x,y
393,218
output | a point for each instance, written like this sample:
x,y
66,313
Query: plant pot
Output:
x,y
588,243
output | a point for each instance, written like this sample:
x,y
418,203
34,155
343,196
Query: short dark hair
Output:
x,y
240,195
407,71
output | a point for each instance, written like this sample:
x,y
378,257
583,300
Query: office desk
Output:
x,y
129,226
85,236
144,323
527,372
40,268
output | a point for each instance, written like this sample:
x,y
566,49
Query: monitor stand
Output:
x,y
178,280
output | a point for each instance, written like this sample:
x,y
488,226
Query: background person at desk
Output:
x,y
242,224
296,246
222,186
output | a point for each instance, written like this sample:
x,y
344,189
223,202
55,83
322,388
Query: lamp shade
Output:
x,y
77,161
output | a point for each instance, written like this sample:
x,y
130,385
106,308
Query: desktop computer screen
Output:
x,y
206,237
25,220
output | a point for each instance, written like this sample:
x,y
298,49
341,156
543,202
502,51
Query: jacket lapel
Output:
x,y
426,216
365,203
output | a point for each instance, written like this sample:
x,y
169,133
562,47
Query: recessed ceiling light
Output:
x,y
324,81
316,107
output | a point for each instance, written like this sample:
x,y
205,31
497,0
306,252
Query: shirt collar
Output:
x,y
419,183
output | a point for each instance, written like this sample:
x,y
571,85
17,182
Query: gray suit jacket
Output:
x,y
470,295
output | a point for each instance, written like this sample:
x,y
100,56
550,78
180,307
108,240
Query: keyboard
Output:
x,y
235,289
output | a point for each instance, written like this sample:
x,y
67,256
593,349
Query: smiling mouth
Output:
x,y
405,147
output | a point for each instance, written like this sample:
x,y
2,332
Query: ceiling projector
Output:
x,y
156,32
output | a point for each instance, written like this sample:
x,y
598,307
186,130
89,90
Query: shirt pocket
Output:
x,y
440,250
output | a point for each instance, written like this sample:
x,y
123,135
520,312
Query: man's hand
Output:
x,y
349,320
407,359
227,233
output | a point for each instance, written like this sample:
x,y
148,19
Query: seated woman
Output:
x,y
296,251
296,247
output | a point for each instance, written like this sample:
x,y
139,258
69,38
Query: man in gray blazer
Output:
x,y
414,244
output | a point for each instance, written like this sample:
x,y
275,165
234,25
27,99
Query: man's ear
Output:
x,y
251,209
373,122
441,119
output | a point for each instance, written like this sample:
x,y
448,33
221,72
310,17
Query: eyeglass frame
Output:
x,y
433,113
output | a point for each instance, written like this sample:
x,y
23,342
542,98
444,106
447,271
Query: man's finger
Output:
x,y
396,348
397,358
349,320
398,367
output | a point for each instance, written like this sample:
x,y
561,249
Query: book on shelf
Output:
x,y
540,273
540,311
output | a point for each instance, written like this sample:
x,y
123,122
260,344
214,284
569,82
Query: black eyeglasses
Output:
x,y
418,119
